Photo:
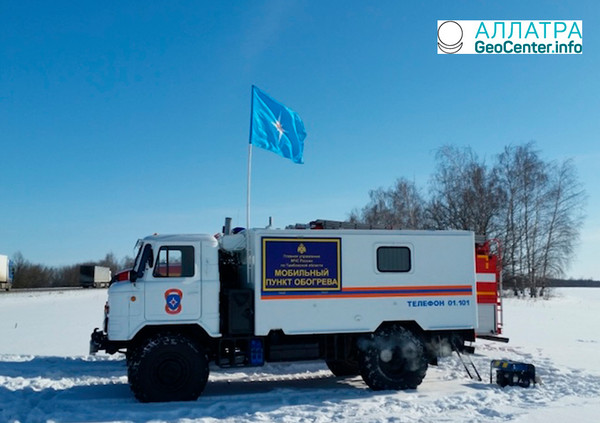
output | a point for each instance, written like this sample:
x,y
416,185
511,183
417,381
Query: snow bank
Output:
x,y
45,374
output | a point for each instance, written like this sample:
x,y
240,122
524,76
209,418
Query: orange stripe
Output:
x,y
387,288
359,292
329,296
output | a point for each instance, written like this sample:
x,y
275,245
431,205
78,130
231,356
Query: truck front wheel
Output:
x,y
392,358
167,367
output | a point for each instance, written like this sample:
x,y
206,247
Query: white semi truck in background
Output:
x,y
91,276
6,273
380,303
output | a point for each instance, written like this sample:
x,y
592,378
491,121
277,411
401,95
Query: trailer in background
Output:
x,y
94,276
6,272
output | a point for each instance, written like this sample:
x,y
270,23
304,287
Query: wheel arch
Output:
x,y
411,325
194,332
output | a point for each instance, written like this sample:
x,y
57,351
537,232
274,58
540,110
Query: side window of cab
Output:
x,y
174,262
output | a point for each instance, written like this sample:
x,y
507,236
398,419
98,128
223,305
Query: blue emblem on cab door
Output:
x,y
173,298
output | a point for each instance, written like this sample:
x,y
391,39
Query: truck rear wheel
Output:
x,y
392,358
168,367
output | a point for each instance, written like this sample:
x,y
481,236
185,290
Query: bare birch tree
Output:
x,y
564,201
542,216
400,206
465,193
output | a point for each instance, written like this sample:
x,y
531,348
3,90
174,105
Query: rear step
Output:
x,y
468,350
494,338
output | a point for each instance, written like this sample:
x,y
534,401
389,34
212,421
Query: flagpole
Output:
x,y
249,185
249,178
248,189
248,214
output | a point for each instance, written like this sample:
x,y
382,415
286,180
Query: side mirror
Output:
x,y
147,259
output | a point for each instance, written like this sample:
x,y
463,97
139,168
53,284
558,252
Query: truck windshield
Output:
x,y
138,248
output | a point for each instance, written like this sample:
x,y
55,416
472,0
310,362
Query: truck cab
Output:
x,y
174,280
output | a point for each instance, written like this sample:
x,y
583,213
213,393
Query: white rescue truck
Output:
x,y
380,303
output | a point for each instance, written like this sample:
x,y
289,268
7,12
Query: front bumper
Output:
x,y
98,341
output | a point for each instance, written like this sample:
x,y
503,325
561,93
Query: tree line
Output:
x,y
32,275
534,207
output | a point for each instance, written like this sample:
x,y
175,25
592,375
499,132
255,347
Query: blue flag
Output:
x,y
276,127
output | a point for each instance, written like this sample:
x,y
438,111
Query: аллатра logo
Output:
x,y
459,37
450,36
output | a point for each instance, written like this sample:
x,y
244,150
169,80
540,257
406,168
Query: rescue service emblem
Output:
x,y
173,301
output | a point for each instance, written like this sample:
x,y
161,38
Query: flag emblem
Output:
x,y
276,128
173,301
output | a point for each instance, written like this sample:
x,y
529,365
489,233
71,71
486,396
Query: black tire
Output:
x,y
343,368
168,367
392,358
131,354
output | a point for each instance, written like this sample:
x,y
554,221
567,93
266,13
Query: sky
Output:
x,y
123,119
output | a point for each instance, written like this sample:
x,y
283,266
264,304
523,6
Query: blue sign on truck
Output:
x,y
292,265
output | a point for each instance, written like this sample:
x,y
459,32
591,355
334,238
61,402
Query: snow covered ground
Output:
x,y
46,375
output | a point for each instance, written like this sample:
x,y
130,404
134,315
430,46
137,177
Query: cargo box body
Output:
x,y
336,281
